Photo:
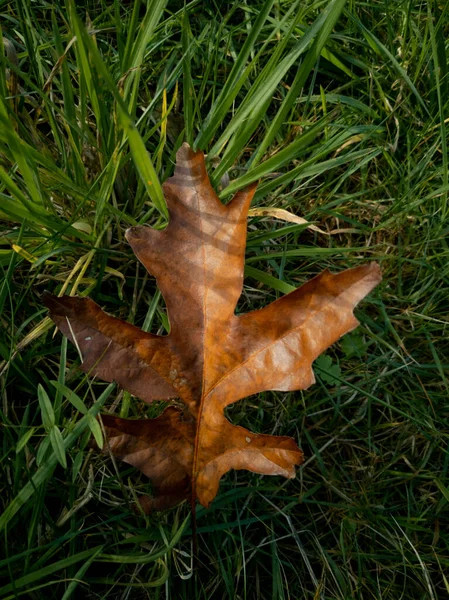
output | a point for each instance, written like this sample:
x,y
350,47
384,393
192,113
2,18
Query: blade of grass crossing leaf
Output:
x,y
44,471
332,13
151,311
269,280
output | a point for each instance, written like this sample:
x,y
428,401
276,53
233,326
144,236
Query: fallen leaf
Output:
x,y
212,357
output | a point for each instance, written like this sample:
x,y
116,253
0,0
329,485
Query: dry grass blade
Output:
x,y
285,215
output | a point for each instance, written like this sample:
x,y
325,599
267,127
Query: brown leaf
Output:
x,y
211,358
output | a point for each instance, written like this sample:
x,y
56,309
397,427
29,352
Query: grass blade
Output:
x,y
57,443
332,13
139,152
234,82
45,470
48,415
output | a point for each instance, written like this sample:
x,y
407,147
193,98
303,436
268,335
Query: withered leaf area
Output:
x,y
211,358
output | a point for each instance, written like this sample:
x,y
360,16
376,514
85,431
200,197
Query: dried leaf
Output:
x,y
211,358
285,215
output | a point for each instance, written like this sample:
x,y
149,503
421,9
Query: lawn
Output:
x,y
339,110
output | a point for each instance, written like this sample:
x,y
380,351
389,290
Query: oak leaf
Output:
x,y
211,357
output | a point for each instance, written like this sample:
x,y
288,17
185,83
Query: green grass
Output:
x,y
338,110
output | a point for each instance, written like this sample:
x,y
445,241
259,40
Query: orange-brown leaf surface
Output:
x,y
211,357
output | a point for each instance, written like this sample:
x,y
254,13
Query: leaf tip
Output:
x,y
184,151
133,233
190,165
373,275
50,301
377,273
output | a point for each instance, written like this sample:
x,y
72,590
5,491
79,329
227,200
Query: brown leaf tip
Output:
x,y
134,234
374,275
190,165
53,303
